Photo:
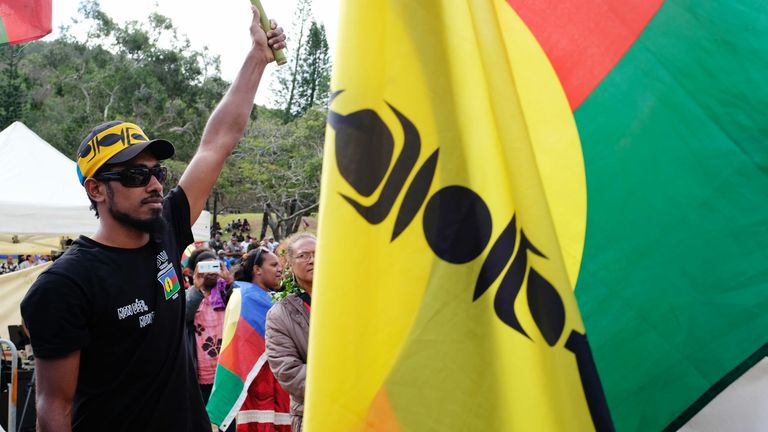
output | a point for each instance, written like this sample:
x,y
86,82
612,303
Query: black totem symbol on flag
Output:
x,y
457,226
364,147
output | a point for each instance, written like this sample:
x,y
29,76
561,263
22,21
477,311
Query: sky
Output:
x,y
222,26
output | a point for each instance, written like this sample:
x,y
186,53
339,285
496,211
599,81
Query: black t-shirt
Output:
x,y
124,310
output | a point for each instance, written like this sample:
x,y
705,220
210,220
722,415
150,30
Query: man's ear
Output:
x,y
96,190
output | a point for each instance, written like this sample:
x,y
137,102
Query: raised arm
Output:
x,y
56,384
227,124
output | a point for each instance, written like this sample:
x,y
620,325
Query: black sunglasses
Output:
x,y
137,176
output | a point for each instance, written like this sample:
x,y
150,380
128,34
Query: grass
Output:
x,y
254,219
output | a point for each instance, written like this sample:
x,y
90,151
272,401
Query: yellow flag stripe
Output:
x,y
396,336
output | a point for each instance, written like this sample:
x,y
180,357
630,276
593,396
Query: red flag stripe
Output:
x,y
584,40
250,347
25,20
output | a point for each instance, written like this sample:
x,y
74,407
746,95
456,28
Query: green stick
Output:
x,y
279,55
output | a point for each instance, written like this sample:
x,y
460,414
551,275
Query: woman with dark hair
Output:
x,y
287,327
266,406
260,268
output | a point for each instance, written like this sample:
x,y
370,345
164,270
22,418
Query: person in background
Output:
x,y
215,243
272,244
224,258
204,316
8,266
266,405
252,244
287,329
245,243
233,247
215,229
29,261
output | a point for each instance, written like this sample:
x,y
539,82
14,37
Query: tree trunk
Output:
x,y
264,223
277,230
215,206
273,222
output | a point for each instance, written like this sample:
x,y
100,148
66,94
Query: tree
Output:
x,y
118,72
314,74
309,81
12,92
121,70
287,78
276,168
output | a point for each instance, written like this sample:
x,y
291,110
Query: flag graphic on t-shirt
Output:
x,y
170,282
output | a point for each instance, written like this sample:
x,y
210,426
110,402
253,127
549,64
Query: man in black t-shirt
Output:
x,y
107,319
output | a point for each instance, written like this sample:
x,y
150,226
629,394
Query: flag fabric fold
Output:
x,y
453,211
24,20
243,359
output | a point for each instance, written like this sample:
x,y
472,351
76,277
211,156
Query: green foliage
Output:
x,y
285,90
11,85
144,72
277,162
307,82
288,285
139,72
288,282
314,78
175,169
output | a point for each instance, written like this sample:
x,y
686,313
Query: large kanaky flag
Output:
x,y
453,210
24,20
484,158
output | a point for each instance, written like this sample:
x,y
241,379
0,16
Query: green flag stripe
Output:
x,y
3,33
227,388
674,282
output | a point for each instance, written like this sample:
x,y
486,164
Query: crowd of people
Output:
x,y
288,266
238,243
237,225
22,262
120,345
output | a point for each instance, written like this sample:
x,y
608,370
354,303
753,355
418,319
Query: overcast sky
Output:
x,y
222,26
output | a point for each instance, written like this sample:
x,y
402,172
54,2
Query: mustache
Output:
x,y
153,197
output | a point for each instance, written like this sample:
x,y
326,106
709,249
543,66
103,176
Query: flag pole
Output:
x,y
265,25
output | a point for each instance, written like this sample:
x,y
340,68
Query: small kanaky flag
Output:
x,y
24,20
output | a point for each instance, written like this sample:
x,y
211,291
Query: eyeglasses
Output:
x,y
304,256
137,176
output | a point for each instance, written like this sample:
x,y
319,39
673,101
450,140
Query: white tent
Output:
x,y
42,201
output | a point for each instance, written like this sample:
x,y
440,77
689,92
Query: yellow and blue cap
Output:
x,y
116,142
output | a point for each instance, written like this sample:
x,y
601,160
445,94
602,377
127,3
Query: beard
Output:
x,y
154,225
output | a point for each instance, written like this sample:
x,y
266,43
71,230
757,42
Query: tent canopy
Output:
x,y
42,201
